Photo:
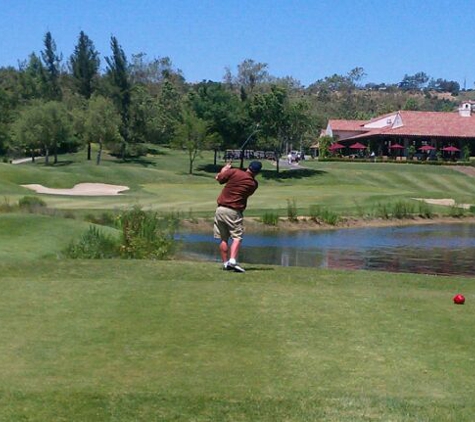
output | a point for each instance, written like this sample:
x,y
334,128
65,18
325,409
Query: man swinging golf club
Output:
x,y
228,219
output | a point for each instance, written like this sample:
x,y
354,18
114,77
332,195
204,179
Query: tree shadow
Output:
x,y
270,174
60,163
139,161
290,174
210,168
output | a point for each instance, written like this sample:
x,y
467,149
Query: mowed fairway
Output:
x,y
161,182
181,341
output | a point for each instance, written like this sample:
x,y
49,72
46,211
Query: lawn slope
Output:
x,y
154,341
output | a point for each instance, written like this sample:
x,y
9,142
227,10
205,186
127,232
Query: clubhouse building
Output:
x,y
394,133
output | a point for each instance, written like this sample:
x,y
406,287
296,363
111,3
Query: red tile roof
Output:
x,y
348,125
414,123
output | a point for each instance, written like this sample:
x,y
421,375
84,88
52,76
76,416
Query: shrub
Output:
x,y
402,209
382,211
425,210
93,244
318,213
104,219
270,218
6,206
292,210
31,204
147,236
456,211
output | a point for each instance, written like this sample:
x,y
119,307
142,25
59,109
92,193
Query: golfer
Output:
x,y
228,219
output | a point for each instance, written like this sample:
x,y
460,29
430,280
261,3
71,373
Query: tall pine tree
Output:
x,y
118,74
52,68
84,65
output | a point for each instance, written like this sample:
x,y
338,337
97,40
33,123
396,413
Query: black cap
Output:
x,y
255,166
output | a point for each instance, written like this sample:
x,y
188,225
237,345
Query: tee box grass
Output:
x,y
130,340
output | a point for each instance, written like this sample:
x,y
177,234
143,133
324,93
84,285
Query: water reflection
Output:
x,y
432,249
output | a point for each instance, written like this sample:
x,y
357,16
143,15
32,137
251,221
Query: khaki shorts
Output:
x,y
228,223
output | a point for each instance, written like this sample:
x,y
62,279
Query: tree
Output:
x,y
299,122
411,104
52,68
324,143
443,85
269,111
356,75
33,78
169,114
155,72
118,75
10,99
191,135
414,82
101,124
44,126
224,112
250,75
84,64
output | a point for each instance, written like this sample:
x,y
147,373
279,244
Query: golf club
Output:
x,y
245,143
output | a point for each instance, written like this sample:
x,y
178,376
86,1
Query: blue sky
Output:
x,y
305,39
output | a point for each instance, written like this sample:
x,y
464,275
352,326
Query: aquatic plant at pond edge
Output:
x,y
270,218
318,213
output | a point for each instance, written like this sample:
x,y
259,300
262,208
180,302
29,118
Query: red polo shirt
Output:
x,y
240,185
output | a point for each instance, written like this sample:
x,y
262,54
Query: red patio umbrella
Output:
x,y
396,146
451,149
427,148
335,146
357,145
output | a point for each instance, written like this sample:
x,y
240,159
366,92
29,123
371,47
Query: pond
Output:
x,y
430,249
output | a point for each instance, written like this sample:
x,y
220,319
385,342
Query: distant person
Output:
x,y
228,219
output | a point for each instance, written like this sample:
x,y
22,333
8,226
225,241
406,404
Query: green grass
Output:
x,y
32,236
160,341
123,340
161,182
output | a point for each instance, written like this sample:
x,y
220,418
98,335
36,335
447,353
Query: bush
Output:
x,y
270,218
31,204
93,244
318,213
147,236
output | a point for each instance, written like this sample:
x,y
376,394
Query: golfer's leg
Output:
x,y
234,252
223,249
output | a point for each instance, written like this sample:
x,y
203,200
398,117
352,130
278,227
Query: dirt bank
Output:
x,y
255,225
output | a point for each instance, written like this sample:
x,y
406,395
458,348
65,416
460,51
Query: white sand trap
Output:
x,y
446,202
81,189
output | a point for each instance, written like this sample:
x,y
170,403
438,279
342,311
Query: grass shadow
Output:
x,y
259,269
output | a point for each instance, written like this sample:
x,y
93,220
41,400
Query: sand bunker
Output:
x,y
81,189
445,202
